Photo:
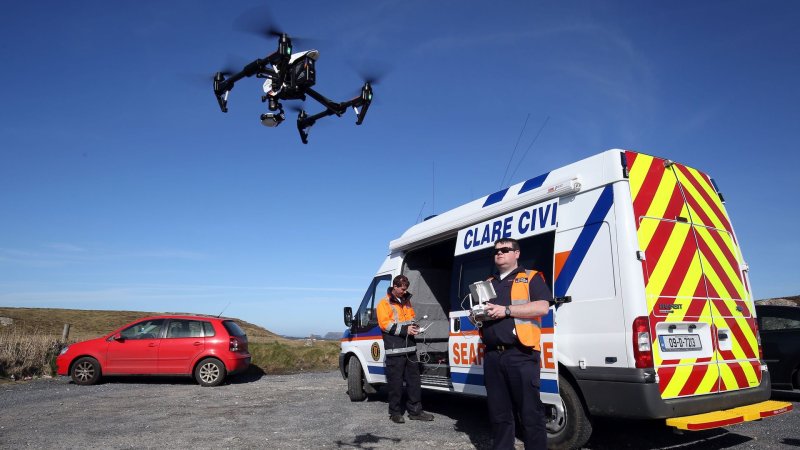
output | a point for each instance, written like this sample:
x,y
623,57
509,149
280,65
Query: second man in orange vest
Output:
x,y
396,319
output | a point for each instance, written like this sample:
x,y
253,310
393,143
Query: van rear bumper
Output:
x,y
633,393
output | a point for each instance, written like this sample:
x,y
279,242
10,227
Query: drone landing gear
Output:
x,y
302,127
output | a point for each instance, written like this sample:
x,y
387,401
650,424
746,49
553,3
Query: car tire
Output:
x,y
570,427
355,380
85,371
209,372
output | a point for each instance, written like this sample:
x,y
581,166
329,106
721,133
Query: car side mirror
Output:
x,y
118,337
348,316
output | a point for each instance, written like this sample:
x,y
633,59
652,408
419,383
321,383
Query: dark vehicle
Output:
x,y
206,348
779,327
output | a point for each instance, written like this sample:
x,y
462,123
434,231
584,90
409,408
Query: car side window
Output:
x,y
208,327
771,323
185,329
148,329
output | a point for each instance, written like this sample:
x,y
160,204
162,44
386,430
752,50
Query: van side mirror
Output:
x,y
348,316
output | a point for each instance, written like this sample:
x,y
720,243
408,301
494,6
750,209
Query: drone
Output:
x,y
290,77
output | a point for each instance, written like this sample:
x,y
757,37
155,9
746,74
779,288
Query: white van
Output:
x,y
653,317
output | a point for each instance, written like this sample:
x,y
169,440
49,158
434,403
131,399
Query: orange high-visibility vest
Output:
x,y
529,331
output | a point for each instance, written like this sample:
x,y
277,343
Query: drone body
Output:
x,y
290,77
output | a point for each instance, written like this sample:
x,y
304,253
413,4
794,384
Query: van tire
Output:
x,y
575,428
355,380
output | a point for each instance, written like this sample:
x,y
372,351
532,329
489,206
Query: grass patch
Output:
x,y
24,354
282,358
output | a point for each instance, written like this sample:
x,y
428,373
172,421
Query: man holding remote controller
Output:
x,y
511,333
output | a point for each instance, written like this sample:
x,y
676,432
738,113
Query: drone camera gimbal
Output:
x,y
290,77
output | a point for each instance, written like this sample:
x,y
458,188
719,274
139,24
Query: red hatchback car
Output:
x,y
207,348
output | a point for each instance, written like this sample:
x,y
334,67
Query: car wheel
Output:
x,y
568,426
85,371
210,372
355,380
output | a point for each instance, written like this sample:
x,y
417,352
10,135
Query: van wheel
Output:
x,y
568,426
355,380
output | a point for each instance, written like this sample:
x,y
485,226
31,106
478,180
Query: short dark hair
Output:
x,y
401,281
513,242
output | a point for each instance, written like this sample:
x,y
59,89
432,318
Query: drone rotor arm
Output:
x,y
222,85
330,105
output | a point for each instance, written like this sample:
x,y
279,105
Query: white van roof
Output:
x,y
584,175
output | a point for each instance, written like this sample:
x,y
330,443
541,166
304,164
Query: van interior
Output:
x,y
440,285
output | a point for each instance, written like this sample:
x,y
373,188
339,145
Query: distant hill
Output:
x,y
87,324
793,300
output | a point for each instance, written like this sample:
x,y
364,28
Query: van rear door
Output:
x,y
700,310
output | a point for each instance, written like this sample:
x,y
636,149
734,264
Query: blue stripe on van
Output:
x,y
534,183
547,321
374,331
497,197
476,379
376,370
467,378
585,239
466,324
549,386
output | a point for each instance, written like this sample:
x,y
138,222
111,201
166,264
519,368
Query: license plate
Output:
x,y
680,342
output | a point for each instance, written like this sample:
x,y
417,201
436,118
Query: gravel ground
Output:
x,y
302,411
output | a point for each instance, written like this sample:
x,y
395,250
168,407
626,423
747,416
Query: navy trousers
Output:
x,y
399,369
512,383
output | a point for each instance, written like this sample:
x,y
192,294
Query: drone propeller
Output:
x,y
372,72
260,22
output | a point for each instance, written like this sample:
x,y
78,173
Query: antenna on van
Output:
x,y
420,211
433,187
529,147
514,152
223,309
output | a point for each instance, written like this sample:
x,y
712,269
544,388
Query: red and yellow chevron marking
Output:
x,y
704,202
693,264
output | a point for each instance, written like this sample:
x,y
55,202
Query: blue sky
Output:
x,y
122,185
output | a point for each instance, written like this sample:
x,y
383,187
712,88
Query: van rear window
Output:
x,y
233,328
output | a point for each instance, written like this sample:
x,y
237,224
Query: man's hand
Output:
x,y
495,312
413,330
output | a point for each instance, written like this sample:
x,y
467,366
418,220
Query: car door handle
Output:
x,y
197,344
151,344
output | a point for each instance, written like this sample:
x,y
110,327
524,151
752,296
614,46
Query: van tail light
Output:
x,y
234,345
642,352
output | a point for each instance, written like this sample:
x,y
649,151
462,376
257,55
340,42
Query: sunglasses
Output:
x,y
497,251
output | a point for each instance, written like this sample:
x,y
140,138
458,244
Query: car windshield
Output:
x,y
233,328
